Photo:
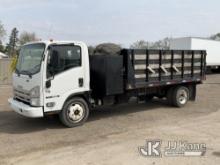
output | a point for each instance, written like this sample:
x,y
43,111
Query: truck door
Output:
x,y
64,75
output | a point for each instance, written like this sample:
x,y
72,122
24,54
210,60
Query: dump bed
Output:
x,y
147,68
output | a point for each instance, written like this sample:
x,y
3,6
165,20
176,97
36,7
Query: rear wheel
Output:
x,y
180,96
75,112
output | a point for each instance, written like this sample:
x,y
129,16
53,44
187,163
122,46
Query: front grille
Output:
x,y
22,95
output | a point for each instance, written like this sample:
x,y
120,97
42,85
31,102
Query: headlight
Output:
x,y
35,102
35,96
35,92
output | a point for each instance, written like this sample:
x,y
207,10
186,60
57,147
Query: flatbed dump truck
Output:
x,y
59,77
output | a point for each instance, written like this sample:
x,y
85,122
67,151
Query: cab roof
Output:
x,y
49,42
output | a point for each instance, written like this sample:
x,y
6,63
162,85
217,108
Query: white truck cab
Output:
x,y
47,74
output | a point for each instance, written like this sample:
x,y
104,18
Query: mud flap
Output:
x,y
192,92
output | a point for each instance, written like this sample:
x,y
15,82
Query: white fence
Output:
x,y
5,73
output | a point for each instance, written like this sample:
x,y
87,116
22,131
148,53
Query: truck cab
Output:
x,y
47,75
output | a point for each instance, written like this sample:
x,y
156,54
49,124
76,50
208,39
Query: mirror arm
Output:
x,y
48,82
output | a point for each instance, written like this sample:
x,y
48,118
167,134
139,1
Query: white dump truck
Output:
x,y
212,48
59,77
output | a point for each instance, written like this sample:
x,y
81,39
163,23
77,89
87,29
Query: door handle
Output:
x,y
81,82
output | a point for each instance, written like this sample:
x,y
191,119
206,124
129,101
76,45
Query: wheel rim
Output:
x,y
75,112
182,96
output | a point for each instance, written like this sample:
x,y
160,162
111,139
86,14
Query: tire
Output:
x,y
75,112
180,96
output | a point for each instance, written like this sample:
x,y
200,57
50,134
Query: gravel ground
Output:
x,y
113,135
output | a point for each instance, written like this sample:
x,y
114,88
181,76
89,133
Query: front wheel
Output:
x,y
75,112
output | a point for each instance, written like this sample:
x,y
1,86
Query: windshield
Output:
x,y
29,60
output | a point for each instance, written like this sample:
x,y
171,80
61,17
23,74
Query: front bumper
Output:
x,y
26,110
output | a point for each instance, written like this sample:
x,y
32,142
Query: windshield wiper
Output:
x,y
27,72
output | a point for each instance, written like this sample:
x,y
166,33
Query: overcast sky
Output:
x,y
119,21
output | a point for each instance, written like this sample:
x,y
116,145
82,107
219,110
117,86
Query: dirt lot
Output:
x,y
113,135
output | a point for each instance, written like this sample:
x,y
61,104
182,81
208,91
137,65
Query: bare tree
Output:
x,y
26,37
141,44
215,37
161,44
91,50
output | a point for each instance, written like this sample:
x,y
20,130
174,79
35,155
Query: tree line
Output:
x,y
16,40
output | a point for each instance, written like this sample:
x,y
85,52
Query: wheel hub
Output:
x,y
75,112
182,96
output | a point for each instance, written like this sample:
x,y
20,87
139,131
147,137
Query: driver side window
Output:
x,y
66,57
